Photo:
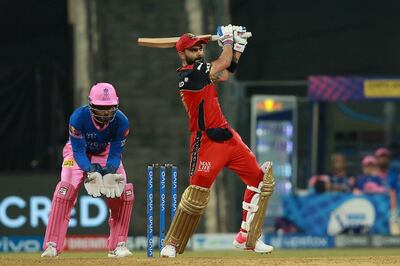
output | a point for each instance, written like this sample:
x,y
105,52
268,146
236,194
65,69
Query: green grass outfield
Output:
x,y
339,256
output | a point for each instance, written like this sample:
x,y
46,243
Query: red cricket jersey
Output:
x,y
200,97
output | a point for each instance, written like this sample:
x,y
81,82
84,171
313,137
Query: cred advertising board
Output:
x,y
25,206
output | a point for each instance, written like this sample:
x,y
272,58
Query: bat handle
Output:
x,y
245,35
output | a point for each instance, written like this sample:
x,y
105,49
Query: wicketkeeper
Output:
x,y
214,145
92,155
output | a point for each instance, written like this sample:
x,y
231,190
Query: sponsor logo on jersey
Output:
x,y
95,146
74,132
204,166
68,163
90,135
126,133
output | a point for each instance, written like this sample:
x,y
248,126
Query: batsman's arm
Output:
x,y
225,74
223,62
225,34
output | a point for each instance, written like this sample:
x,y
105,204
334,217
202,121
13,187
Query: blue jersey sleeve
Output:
x,y
393,176
78,141
118,142
360,182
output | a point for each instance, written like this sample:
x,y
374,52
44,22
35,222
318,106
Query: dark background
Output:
x,y
295,39
35,83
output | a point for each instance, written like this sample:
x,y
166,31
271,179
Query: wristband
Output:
x,y
232,67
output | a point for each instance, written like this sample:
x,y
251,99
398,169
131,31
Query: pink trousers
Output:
x,y
66,194
71,172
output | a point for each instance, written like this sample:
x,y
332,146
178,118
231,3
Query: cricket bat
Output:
x,y
171,41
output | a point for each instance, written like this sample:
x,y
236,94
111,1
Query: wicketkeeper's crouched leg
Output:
x,y
120,217
64,198
193,202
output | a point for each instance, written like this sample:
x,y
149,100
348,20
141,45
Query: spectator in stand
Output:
x,y
336,181
389,176
339,180
369,182
319,184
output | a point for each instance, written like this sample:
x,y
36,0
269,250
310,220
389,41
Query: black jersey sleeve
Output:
x,y
196,78
202,68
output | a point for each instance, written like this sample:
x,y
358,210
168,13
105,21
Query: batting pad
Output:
x,y
266,189
61,206
120,216
191,207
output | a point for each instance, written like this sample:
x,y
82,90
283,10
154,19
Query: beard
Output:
x,y
191,61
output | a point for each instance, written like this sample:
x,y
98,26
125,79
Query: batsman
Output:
x,y
92,155
214,144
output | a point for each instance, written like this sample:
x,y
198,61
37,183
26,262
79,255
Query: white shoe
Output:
x,y
50,251
261,247
120,251
168,251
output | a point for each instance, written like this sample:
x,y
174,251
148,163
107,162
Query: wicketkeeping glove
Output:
x,y
239,42
225,35
113,185
93,183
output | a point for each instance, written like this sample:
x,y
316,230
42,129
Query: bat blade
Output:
x,y
171,41
165,42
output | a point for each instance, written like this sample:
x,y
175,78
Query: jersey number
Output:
x,y
207,69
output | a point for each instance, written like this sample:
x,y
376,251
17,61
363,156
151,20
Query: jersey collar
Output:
x,y
187,67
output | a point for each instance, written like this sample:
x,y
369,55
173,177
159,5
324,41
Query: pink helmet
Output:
x,y
382,152
103,94
369,160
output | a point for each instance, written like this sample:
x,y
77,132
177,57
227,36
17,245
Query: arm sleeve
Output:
x,y
360,182
393,178
78,143
117,144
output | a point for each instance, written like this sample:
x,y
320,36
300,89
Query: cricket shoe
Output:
x,y
120,251
261,247
50,251
168,251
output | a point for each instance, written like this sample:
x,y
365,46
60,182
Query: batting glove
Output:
x,y
225,35
239,42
